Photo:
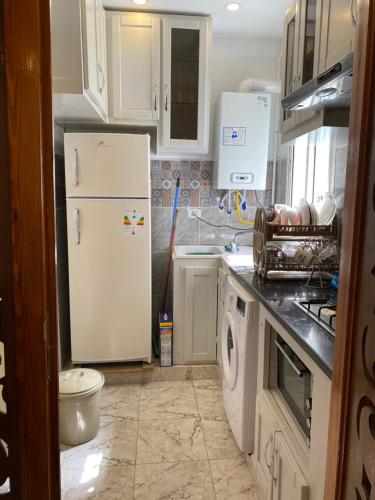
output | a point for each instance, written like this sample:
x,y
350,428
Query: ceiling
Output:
x,y
255,19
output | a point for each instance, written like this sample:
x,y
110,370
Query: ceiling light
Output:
x,y
232,7
139,2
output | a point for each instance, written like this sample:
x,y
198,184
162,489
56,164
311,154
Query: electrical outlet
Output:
x,y
194,212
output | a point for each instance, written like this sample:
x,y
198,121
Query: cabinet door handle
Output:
x,y
274,454
354,20
291,86
269,441
166,97
76,233
290,361
101,87
75,167
156,97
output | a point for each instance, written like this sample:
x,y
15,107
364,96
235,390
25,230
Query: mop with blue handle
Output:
x,y
164,331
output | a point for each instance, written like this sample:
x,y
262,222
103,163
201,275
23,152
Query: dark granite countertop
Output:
x,y
278,297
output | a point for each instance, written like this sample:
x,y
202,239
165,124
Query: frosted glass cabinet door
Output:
x,y
337,32
290,61
308,56
134,66
185,104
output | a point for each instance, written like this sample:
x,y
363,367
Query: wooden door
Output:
x,y
9,469
27,280
351,450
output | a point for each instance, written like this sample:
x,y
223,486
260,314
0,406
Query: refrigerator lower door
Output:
x,y
109,244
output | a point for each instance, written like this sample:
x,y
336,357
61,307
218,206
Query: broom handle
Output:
x,y
168,266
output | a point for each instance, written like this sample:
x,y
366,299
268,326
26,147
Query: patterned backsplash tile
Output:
x,y
195,184
196,191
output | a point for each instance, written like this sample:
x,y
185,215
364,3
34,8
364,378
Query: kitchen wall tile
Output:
x,y
187,230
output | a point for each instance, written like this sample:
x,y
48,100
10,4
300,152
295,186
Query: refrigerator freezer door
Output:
x,y
109,245
107,165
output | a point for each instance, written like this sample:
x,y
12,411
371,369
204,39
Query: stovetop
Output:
x,y
323,311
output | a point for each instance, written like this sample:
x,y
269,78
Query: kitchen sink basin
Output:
x,y
199,251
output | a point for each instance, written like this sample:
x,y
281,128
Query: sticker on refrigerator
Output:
x,y
134,221
234,136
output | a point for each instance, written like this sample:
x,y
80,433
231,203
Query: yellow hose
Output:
x,y
238,210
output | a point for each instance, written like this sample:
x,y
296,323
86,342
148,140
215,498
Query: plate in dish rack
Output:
x,y
325,206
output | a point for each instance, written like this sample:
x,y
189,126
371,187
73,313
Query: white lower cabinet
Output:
x,y
195,311
288,483
281,475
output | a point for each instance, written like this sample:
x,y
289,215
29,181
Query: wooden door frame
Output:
x,y
360,161
31,309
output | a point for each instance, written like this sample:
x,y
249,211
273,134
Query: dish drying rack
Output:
x,y
270,239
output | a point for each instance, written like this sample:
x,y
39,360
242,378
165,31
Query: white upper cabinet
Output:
x,y
185,84
290,61
79,59
337,31
133,66
309,33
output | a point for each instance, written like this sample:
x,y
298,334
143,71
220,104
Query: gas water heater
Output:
x,y
242,128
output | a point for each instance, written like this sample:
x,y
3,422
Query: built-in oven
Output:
x,y
291,381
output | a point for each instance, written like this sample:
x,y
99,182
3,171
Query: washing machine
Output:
x,y
239,351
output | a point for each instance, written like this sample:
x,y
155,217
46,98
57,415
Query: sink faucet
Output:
x,y
233,245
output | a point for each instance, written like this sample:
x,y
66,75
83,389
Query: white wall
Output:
x,y
234,59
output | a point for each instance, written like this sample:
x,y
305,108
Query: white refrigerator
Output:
x,y
107,180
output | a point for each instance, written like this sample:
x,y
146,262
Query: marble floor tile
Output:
x,y
170,440
163,384
210,402
220,442
202,372
115,444
168,402
118,402
104,483
173,373
187,481
213,384
232,480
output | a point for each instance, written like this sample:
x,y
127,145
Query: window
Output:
x,y
312,166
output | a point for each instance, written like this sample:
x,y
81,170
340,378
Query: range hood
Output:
x,y
331,89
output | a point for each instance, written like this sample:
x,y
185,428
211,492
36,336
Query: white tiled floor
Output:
x,y
161,440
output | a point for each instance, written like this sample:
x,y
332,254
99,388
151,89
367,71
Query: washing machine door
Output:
x,y
229,350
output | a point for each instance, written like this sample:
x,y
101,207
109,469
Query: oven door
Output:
x,y
292,380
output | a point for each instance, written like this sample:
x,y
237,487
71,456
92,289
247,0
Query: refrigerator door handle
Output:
x,y
77,238
75,167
